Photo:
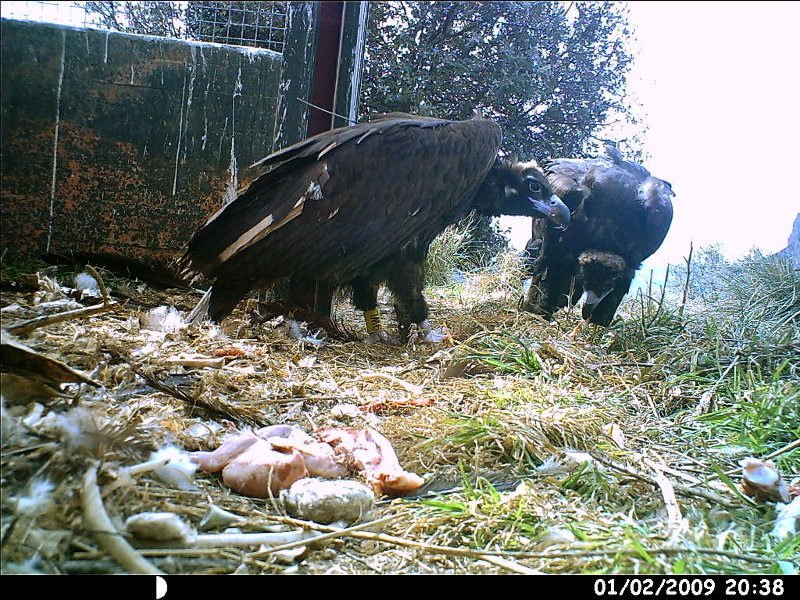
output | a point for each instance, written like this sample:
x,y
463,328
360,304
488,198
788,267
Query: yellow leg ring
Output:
x,y
373,320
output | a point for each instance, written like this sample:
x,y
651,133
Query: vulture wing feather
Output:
x,y
335,204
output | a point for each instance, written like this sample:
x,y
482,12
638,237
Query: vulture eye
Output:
x,y
534,186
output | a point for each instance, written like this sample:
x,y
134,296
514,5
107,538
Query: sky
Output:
x,y
719,85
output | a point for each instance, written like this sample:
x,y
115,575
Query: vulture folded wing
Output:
x,y
337,203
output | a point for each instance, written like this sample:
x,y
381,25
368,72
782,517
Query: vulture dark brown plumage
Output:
x,y
359,206
620,216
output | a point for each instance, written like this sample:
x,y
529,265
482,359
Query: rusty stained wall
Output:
x,y
123,144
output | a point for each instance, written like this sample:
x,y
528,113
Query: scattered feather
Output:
x,y
87,286
39,499
178,471
166,319
564,463
787,520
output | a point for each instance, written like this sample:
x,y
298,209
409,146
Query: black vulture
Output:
x,y
359,206
620,216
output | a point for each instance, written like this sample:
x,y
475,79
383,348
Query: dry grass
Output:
x,y
608,451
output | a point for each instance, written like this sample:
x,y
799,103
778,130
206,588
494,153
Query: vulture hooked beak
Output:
x,y
591,301
553,209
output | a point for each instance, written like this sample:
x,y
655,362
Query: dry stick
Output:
x,y
35,323
510,565
482,554
99,525
685,292
100,284
333,532
212,409
218,540
674,518
631,552
496,558
409,387
682,489
787,448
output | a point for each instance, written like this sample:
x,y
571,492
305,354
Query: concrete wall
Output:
x,y
124,144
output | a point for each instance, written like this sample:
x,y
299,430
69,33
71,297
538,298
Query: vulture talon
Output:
x,y
382,337
425,334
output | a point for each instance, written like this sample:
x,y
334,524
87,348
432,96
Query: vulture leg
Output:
x,y
365,299
552,286
406,283
310,295
224,298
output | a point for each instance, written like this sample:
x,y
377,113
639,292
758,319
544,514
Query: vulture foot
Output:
x,y
382,336
427,335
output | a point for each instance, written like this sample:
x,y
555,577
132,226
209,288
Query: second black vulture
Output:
x,y
359,206
620,216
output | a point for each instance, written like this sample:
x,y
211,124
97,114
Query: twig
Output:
x,y
100,284
787,448
682,489
497,558
213,409
99,525
674,518
509,565
31,324
219,540
635,552
333,532
483,554
409,387
685,292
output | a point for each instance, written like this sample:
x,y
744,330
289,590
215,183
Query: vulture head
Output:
x,y
600,274
359,206
521,189
620,215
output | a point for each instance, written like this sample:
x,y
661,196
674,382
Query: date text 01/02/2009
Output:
x,y
715,586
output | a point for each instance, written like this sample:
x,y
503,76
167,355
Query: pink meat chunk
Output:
x,y
263,462
368,451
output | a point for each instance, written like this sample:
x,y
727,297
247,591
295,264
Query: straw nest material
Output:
x,y
541,451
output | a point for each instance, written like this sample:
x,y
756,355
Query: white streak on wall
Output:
x,y
205,98
193,71
222,138
205,115
180,134
55,141
233,183
105,55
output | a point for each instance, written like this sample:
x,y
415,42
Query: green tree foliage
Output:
x,y
151,18
260,24
552,74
